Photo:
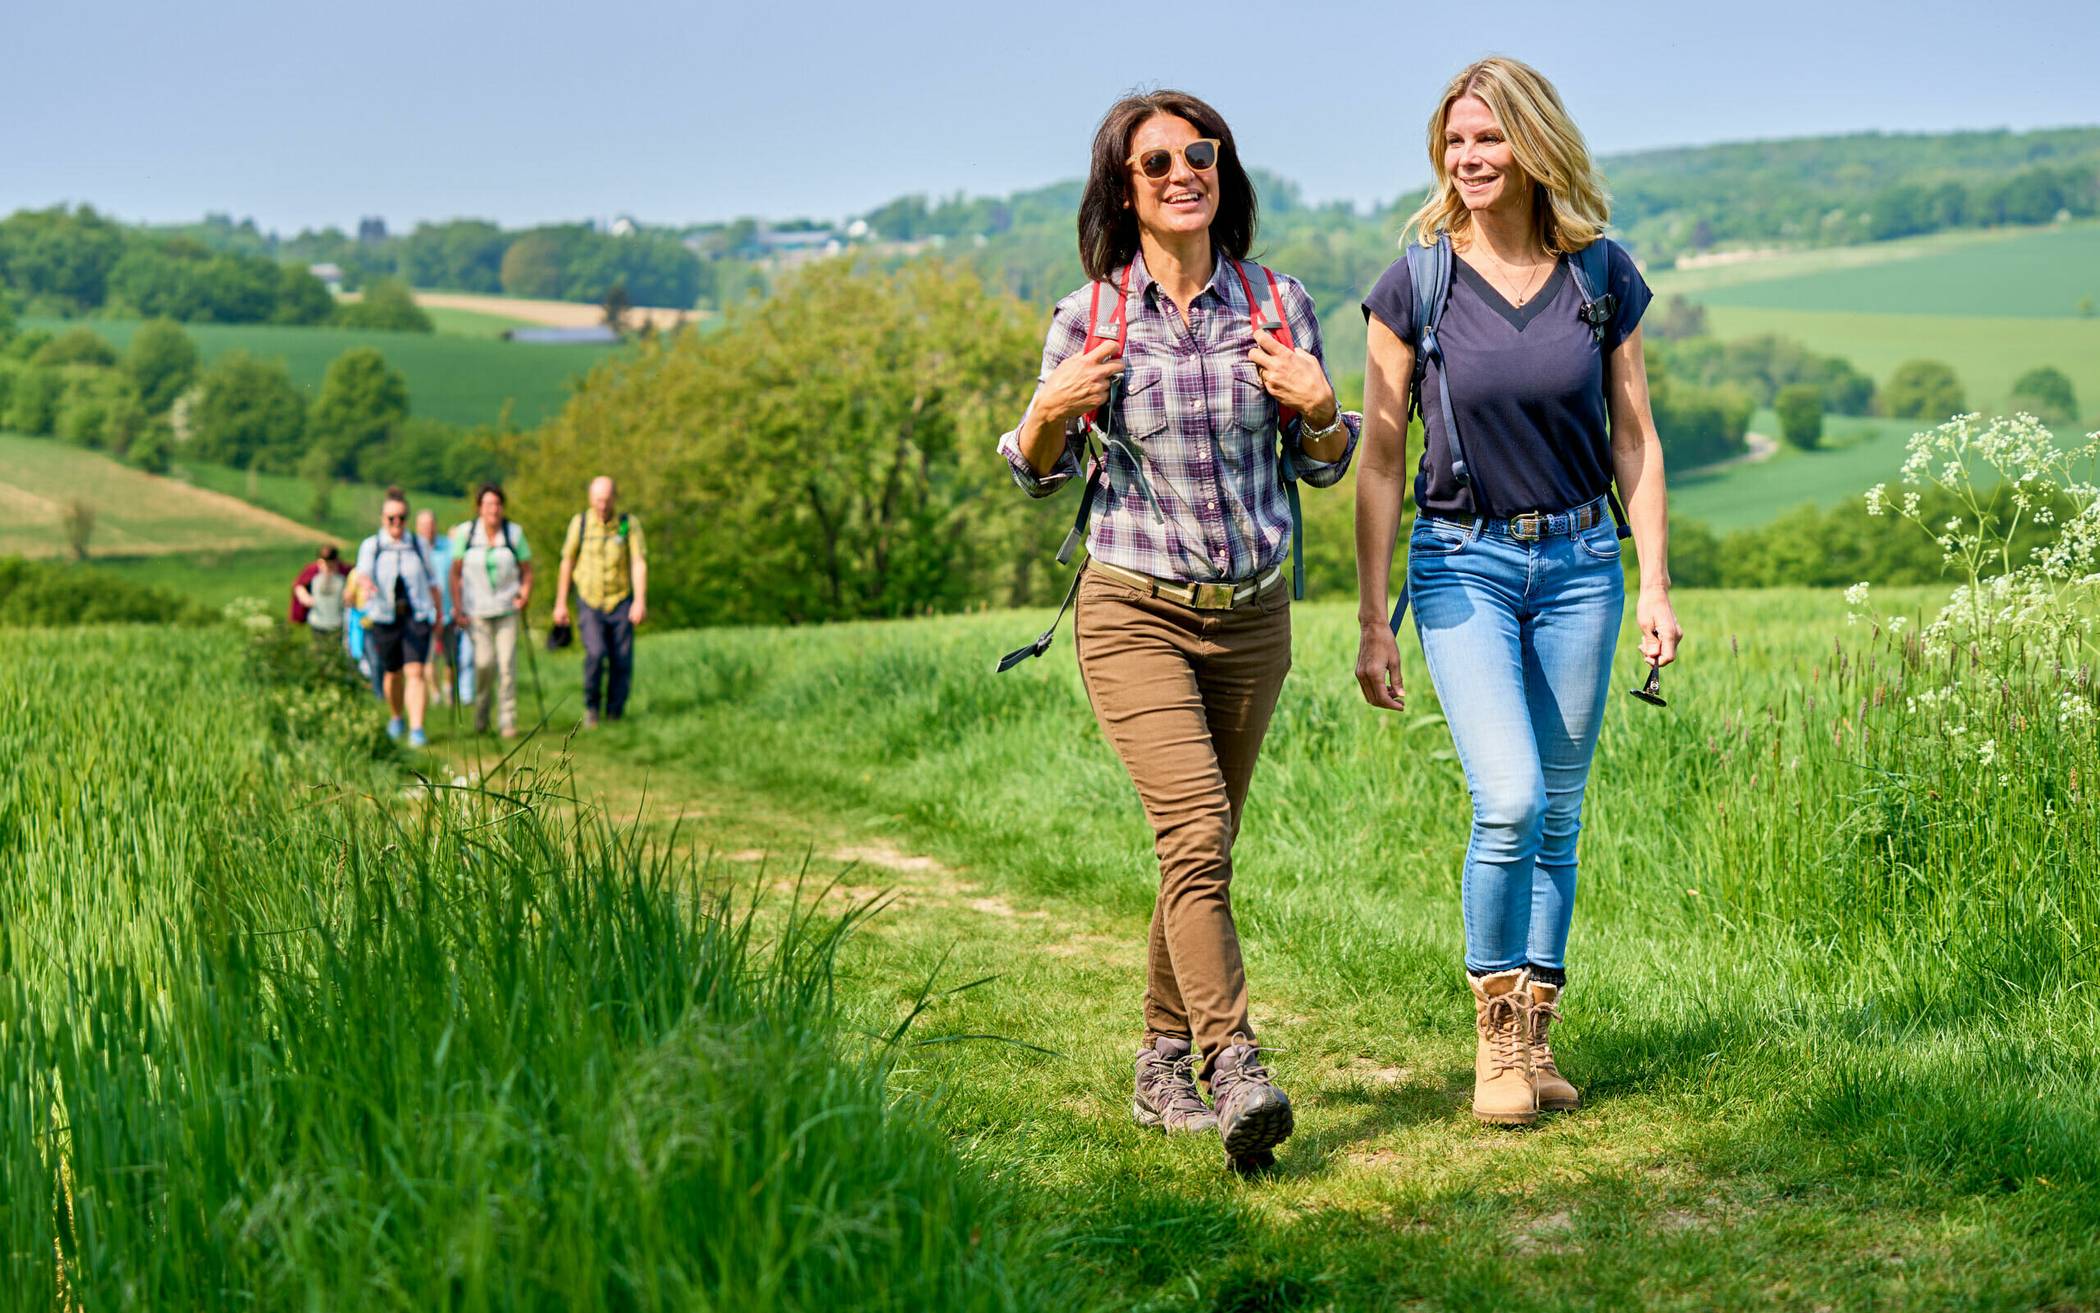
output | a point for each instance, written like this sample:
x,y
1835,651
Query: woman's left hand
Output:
x,y
1293,376
1660,632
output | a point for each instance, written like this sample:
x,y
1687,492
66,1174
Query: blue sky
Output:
x,y
308,114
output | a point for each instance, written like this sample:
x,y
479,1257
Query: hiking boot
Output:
x,y
1253,1115
1166,1094
590,720
1555,1093
1503,1089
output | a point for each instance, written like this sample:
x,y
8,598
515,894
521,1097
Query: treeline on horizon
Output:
x,y
1667,204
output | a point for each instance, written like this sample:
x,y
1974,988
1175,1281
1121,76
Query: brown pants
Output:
x,y
1184,697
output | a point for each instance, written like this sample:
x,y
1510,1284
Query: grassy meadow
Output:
x,y
451,376
136,514
510,1046
285,1028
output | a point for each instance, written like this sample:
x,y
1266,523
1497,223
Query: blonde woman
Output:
x,y
1534,401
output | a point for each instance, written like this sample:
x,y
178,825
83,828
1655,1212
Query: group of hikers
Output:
x,y
415,604
1185,389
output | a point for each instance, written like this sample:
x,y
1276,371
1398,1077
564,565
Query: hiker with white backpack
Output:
x,y
1513,324
492,578
1184,388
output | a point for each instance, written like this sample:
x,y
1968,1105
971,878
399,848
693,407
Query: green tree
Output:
x,y
362,402
1923,389
33,400
1800,407
317,467
248,413
894,504
77,346
2046,393
301,298
533,265
387,304
150,450
413,455
162,361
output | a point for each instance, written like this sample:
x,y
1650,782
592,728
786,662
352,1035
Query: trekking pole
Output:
x,y
532,659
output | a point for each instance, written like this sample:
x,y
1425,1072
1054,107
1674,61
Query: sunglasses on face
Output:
x,y
396,519
1201,155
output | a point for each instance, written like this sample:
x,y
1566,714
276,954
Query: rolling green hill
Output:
x,y
453,377
2044,272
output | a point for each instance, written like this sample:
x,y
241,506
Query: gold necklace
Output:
x,y
1503,268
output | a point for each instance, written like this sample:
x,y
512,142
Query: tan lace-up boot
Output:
x,y
1555,1094
1503,1090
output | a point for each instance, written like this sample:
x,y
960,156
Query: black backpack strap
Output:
x,y
1429,270
1042,640
1592,269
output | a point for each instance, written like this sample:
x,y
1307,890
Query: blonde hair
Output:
x,y
1569,205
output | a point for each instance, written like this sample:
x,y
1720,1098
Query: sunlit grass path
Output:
x,y
1798,1096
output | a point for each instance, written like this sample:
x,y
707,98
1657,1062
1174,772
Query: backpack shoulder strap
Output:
x,y
1592,269
1264,313
1110,324
1429,272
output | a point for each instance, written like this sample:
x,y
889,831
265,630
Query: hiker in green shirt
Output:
x,y
492,582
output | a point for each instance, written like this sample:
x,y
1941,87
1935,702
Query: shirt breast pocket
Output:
x,y
1253,408
1144,404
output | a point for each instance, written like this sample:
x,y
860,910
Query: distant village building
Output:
x,y
623,225
330,274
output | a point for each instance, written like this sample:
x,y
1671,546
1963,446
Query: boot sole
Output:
x,y
1505,1118
1260,1129
1559,1106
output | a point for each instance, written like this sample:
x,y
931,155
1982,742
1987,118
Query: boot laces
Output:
x,y
1172,1084
1501,1025
1542,1015
1248,1070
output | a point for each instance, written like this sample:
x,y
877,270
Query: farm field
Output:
x,y
552,314
136,514
1856,454
2040,272
463,380
1987,352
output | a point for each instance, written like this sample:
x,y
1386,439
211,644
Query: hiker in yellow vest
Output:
x,y
605,558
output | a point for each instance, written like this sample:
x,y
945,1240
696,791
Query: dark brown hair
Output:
x,y
1108,228
487,488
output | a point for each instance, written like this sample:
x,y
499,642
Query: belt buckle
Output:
x,y
1212,597
1526,528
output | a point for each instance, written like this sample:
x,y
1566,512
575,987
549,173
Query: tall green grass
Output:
x,y
1827,942
276,1032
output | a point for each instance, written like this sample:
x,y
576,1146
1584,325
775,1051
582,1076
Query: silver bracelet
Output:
x,y
1333,427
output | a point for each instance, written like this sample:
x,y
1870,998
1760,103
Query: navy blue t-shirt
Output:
x,y
1527,389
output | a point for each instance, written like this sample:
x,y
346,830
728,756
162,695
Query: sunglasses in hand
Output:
x,y
1201,155
1652,691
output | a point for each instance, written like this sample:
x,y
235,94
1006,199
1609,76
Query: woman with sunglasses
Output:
x,y
1513,563
395,573
1183,612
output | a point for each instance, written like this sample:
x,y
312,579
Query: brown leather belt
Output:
x,y
1200,597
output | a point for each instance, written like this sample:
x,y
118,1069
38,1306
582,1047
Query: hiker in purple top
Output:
x,y
1516,325
1194,377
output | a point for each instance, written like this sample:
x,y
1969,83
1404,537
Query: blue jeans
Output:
x,y
608,655
1519,637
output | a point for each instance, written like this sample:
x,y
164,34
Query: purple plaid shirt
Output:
x,y
1194,407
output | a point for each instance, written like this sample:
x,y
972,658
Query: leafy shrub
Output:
x,y
387,304
33,401
162,361
1800,408
48,594
2045,392
1923,389
248,413
77,346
